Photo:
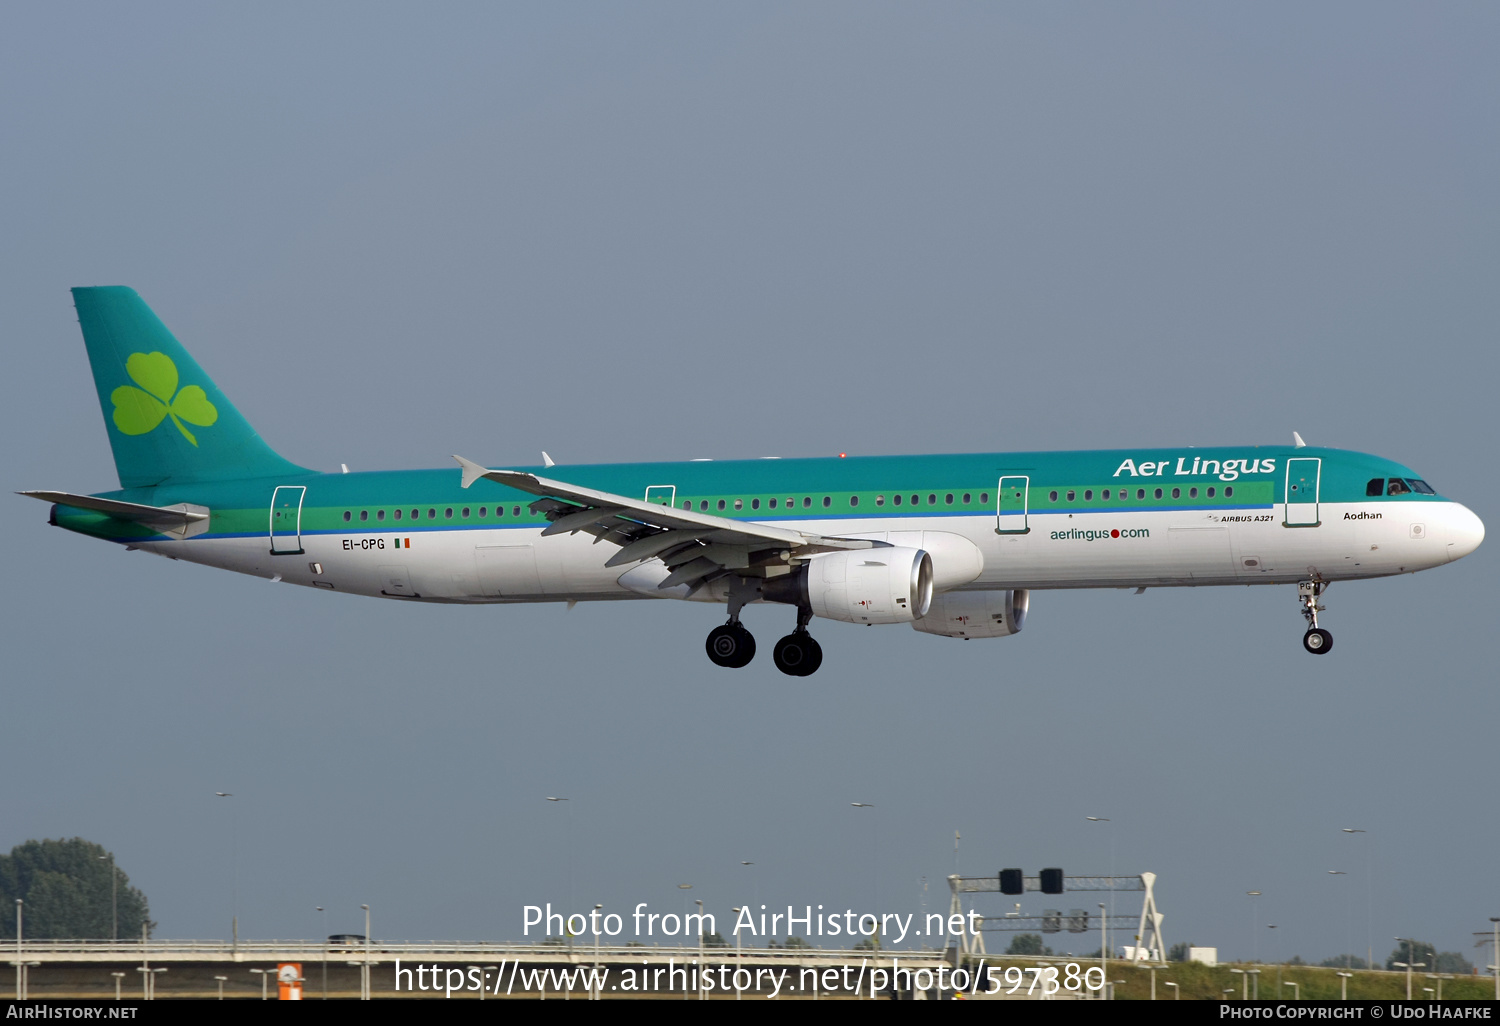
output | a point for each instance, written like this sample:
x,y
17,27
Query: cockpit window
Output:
x,y
1420,487
1376,486
1397,487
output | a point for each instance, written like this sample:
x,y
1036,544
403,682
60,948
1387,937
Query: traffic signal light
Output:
x,y
1011,882
1052,881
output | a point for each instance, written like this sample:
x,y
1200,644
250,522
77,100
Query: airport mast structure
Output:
x,y
1149,944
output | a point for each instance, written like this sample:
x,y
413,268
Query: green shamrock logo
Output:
x,y
140,410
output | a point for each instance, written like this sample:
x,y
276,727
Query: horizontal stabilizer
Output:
x,y
179,520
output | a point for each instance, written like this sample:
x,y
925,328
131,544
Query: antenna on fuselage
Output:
x,y
1297,441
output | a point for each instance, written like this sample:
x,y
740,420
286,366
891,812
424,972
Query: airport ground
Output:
x,y
1194,981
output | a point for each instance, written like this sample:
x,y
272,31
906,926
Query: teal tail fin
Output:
x,y
166,419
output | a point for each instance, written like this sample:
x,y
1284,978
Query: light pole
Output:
x,y
1176,990
323,910
569,842
1369,899
364,972
1296,989
874,858
1344,986
1436,976
20,965
1496,967
594,978
119,978
737,955
1410,963
262,973
1106,819
148,981
485,975
1348,913
1103,952
1254,930
234,871
1244,983
699,903
114,901
221,980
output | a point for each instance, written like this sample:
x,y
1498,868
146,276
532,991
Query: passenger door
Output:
x,y
1301,498
1012,496
286,520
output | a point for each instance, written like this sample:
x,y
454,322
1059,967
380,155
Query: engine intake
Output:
x,y
885,585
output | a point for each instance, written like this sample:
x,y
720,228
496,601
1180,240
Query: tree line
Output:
x,y
72,890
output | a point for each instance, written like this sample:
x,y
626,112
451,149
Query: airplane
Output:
x,y
951,544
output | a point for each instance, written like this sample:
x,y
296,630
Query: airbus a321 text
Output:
x,y
952,545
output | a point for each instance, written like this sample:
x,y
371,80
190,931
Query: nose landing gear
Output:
x,y
1316,640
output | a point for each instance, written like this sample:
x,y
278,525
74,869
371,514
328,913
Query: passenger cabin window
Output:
x,y
1140,493
515,511
807,502
854,500
967,499
915,499
414,514
346,516
1071,493
1088,496
1228,491
1376,486
432,514
880,500
827,501
948,499
739,503
398,514
1176,493
1397,487
932,500
448,513
687,504
984,497
1158,493
364,514
1192,493
773,503
896,499
1210,493
703,505
721,503
380,514
483,512
755,504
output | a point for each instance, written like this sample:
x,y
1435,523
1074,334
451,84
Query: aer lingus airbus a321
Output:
x,y
952,545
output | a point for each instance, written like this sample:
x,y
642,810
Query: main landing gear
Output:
x,y
1316,640
797,654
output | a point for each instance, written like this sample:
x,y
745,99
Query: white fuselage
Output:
x,y
1116,548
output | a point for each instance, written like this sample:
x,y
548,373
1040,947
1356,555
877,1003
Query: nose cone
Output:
x,y
1465,532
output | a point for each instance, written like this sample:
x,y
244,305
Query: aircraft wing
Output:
x,y
696,547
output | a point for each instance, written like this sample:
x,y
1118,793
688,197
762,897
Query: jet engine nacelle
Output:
x,y
886,585
976,614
